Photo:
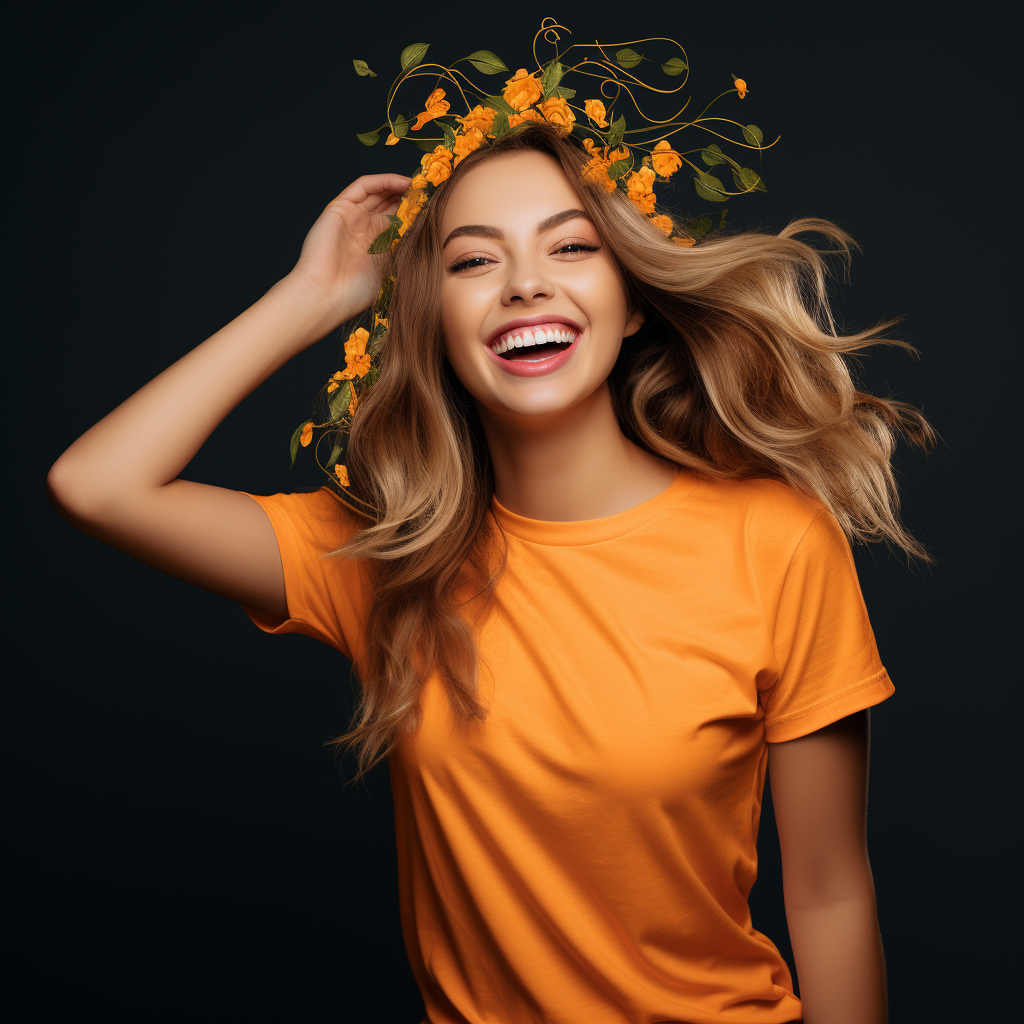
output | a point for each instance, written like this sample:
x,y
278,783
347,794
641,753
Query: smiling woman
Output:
x,y
608,578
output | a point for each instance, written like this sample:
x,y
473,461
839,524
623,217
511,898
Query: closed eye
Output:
x,y
463,264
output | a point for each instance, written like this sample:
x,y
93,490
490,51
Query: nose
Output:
x,y
527,281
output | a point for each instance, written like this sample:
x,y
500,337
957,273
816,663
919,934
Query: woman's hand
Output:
x,y
334,260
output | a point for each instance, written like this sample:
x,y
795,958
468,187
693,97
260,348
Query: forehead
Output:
x,y
510,189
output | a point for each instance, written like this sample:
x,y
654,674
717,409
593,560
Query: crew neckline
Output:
x,y
590,531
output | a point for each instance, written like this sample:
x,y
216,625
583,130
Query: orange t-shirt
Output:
x,y
585,854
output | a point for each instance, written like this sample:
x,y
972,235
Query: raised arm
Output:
x,y
119,481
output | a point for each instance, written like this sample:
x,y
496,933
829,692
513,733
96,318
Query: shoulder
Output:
x,y
769,518
318,518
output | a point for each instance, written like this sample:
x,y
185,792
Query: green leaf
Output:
x,y
294,446
709,187
387,287
499,126
563,92
721,220
700,227
334,456
753,136
412,55
363,69
628,58
551,77
371,376
486,62
400,127
616,132
340,400
383,241
449,135
368,138
427,145
499,103
713,155
748,180
377,341
675,66
619,168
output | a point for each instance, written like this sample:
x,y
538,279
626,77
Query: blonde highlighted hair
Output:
x,y
738,371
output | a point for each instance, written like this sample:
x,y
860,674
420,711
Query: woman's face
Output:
x,y
517,245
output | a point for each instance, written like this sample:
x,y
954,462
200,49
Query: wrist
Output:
x,y
312,310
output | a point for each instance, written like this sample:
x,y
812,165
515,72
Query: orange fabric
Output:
x,y
586,853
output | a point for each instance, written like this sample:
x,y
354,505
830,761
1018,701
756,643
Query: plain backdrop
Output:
x,y
184,843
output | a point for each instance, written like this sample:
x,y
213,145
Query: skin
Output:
x,y
554,440
558,455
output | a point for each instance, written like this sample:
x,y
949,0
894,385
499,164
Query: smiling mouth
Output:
x,y
533,345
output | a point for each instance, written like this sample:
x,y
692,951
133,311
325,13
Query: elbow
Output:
x,y
68,493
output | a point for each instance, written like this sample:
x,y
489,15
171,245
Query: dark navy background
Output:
x,y
185,846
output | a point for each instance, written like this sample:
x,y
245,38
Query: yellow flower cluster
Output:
x,y
523,90
596,168
357,362
665,160
435,107
596,112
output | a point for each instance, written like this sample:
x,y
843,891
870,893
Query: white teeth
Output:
x,y
529,338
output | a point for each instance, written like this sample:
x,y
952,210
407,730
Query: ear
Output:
x,y
635,322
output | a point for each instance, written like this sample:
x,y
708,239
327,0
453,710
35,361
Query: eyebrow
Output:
x,y
486,231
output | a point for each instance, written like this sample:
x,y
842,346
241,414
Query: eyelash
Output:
x,y
584,246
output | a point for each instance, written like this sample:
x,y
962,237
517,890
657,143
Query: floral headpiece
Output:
x,y
634,165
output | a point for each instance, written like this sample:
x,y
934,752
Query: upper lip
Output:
x,y
532,321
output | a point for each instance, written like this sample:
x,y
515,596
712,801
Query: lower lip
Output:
x,y
536,367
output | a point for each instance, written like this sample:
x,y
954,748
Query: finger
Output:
x,y
375,203
375,184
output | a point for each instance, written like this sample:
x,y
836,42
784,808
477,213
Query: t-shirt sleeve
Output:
x,y
326,595
828,662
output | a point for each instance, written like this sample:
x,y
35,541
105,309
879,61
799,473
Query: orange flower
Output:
x,y
683,240
665,160
663,223
596,171
356,344
618,154
435,107
596,112
352,403
526,115
466,141
411,204
741,87
307,434
557,111
419,181
588,145
342,473
479,117
437,165
336,378
640,192
382,320
521,90
357,362
392,139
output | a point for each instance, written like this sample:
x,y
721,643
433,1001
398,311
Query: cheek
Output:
x,y
599,292
463,311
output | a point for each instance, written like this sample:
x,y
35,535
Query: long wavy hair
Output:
x,y
738,371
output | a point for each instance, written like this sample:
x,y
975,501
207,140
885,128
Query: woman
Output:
x,y
606,586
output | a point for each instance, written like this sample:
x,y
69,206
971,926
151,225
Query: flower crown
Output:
x,y
634,166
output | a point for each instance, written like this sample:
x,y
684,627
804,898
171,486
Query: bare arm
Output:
x,y
819,791
119,481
